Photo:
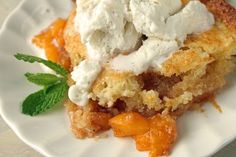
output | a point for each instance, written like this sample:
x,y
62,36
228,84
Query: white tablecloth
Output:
x,y
12,146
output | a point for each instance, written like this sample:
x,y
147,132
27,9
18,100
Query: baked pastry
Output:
x,y
156,70
192,75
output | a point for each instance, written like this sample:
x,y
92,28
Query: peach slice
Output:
x,y
163,133
129,124
143,142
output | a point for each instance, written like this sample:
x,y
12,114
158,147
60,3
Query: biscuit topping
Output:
x,y
112,29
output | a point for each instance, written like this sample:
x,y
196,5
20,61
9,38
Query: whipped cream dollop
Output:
x,y
84,75
166,28
153,50
112,30
105,27
149,16
166,19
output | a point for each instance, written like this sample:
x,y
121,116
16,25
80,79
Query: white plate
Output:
x,y
200,134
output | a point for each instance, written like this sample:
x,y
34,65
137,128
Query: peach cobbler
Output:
x,y
137,65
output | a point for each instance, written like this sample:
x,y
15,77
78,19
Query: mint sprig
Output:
x,y
31,59
42,100
54,89
42,79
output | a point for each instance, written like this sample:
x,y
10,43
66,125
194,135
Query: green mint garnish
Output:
x,y
54,90
42,100
43,79
31,59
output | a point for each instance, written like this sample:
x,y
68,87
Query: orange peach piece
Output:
x,y
52,41
51,53
163,133
143,142
129,124
64,60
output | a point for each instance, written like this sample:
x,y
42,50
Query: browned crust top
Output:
x,y
222,11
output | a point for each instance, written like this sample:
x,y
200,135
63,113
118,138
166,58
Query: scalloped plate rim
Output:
x,y
17,130
10,124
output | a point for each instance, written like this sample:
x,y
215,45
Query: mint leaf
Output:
x,y
31,103
43,79
42,100
54,91
31,59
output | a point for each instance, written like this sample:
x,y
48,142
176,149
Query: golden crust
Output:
x,y
73,44
202,49
222,11
183,61
111,85
87,122
190,76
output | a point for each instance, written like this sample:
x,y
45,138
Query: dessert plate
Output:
x,y
200,134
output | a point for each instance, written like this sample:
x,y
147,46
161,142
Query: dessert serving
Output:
x,y
134,66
